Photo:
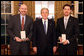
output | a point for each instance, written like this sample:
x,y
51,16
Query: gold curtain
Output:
x,y
59,8
31,8
30,5
16,7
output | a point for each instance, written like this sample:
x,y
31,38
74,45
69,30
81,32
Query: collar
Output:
x,y
44,20
67,17
22,16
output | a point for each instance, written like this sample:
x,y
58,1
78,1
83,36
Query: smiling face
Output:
x,y
66,10
23,9
44,13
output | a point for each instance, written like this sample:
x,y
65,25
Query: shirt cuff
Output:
x,y
59,37
68,41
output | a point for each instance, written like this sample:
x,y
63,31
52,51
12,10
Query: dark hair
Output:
x,y
67,5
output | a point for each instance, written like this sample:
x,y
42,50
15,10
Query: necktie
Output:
x,y
45,26
65,22
22,23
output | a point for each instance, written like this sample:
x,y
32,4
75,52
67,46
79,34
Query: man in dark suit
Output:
x,y
67,26
20,23
43,34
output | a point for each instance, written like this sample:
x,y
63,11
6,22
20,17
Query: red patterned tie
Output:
x,y
22,23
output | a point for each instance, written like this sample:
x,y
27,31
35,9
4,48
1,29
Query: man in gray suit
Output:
x,y
20,26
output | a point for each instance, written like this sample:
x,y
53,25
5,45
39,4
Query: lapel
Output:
x,y
68,24
62,24
25,22
19,21
49,24
41,25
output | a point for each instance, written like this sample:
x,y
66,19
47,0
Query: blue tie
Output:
x,y
45,26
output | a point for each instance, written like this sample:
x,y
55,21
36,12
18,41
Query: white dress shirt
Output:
x,y
66,19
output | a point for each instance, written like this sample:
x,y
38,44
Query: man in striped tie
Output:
x,y
19,30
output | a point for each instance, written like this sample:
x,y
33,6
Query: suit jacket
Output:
x,y
71,31
39,38
14,26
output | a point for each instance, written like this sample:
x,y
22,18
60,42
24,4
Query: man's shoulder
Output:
x,y
51,20
74,19
28,16
60,19
16,15
38,21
